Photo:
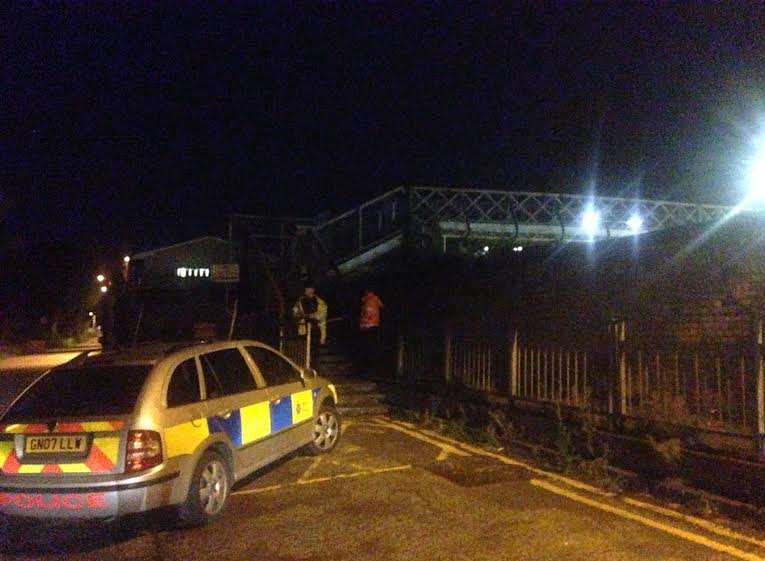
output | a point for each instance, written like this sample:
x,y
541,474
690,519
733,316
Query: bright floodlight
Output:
x,y
126,259
486,249
104,289
635,223
591,221
90,314
518,248
100,278
756,176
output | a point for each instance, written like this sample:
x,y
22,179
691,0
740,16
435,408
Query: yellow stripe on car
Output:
x,y
97,426
256,422
302,406
15,429
74,468
31,468
110,446
185,437
6,447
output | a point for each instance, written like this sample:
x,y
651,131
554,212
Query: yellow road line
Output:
x,y
689,536
700,522
400,425
415,433
322,479
314,464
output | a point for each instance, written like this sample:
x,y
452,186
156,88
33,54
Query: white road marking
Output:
x,y
446,449
322,479
651,523
404,427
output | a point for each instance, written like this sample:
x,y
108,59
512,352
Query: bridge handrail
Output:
x,y
351,212
575,196
542,216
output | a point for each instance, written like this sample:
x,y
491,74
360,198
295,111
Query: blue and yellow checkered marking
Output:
x,y
281,413
256,422
244,426
231,425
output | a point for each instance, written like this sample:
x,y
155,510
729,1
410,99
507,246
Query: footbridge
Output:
x,y
435,217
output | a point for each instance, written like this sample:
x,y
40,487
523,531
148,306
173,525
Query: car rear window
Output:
x,y
87,391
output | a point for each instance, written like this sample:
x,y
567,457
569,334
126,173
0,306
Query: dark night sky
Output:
x,y
125,125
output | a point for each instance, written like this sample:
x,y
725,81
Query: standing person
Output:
x,y
369,328
312,309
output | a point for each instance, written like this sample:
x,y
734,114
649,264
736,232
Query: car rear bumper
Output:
x,y
88,502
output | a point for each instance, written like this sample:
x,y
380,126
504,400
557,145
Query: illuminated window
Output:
x,y
184,272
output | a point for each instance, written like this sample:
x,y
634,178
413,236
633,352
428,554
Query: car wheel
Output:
x,y
209,490
326,431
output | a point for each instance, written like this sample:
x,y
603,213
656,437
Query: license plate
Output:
x,y
56,444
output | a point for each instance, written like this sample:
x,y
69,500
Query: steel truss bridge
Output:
x,y
431,216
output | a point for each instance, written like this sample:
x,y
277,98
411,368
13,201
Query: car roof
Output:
x,y
149,353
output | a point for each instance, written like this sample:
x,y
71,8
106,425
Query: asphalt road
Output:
x,y
391,491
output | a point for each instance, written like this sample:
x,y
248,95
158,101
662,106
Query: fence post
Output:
x,y
400,357
622,357
760,392
308,344
281,339
514,366
448,355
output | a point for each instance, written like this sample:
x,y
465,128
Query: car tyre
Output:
x,y
326,431
209,490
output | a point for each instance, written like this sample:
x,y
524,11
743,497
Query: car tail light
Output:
x,y
144,450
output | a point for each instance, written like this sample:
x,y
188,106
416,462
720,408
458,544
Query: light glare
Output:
x,y
104,289
591,221
100,278
756,177
635,224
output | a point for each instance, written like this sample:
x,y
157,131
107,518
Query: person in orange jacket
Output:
x,y
371,305
369,329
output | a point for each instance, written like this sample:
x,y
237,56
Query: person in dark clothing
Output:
x,y
309,308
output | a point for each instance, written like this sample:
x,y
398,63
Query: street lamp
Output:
x,y
635,223
126,259
104,288
756,174
591,221
100,278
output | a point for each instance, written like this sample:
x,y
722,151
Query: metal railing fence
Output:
x,y
714,387
295,343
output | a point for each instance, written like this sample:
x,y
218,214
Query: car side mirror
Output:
x,y
308,373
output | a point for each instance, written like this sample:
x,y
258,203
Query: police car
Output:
x,y
158,425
